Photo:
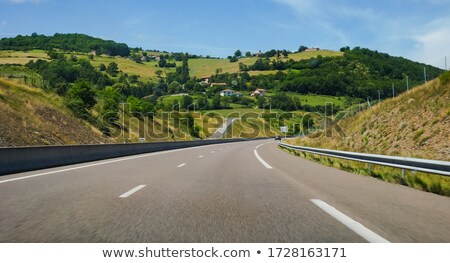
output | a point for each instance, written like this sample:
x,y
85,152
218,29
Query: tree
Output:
x,y
162,62
238,53
112,69
282,101
261,102
248,54
174,87
243,67
302,48
226,101
186,102
184,71
138,106
233,59
110,98
102,67
215,103
81,98
202,103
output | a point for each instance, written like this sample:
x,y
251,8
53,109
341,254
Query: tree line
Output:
x,y
360,73
66,42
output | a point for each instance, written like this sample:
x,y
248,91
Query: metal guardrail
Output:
x,y
415,164
22,159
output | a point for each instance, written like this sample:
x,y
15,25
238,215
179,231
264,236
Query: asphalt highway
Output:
x,y
236,192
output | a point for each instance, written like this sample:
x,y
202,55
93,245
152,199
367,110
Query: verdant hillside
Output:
x,y
30,116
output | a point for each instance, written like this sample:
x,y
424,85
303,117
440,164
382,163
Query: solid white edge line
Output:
x,y
132,191
355,226
106,162
259,146
181,165
261,160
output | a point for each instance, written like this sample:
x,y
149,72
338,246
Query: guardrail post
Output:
x,y
403,177
369,167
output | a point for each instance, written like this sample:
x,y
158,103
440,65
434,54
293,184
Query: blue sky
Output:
x,y
415,29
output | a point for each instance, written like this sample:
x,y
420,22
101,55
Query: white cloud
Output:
x,y
433,46
316,13
302,7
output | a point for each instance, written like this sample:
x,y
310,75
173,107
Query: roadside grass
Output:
x,y
418,180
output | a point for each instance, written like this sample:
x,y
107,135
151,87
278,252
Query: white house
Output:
x,y
226,93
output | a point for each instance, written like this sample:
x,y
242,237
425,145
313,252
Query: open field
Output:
x,y
146,71
314,100
201,67
313,54
21,57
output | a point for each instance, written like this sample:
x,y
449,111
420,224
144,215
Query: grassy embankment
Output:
x,y
414,124
31,116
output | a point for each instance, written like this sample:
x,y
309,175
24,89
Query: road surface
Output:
x,y
237,192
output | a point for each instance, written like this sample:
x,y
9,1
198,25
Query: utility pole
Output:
x,y
407,83
425,74
393,91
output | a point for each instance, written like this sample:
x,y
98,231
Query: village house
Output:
x,y
218,84
204,80
227,93
258,92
